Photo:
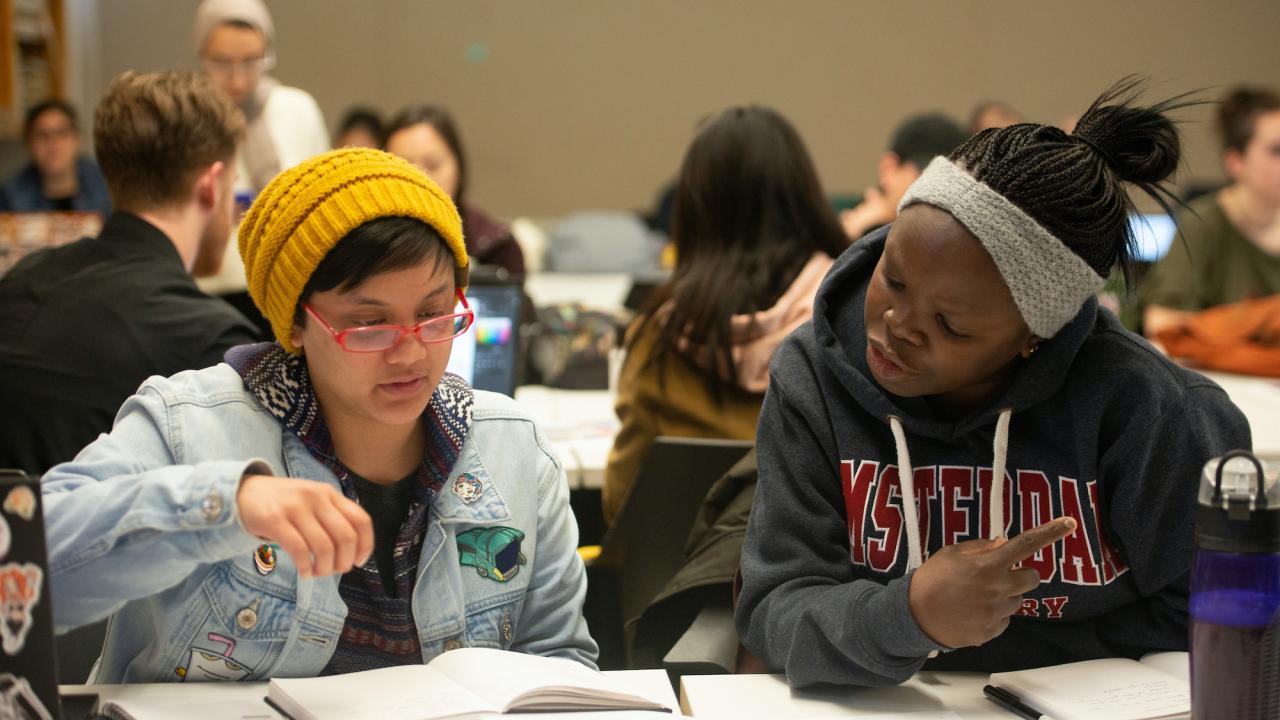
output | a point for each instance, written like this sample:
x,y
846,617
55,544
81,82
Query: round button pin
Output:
x,y
247,618
211,507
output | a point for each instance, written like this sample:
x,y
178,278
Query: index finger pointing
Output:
x,y
1031,541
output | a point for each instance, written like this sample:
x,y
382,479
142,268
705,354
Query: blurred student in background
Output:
x,y
992,114
235,40
915,142
58,177
427,136
360,127
82,325
754,237
1229,248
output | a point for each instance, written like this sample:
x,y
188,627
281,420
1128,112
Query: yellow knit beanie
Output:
x,y
301,214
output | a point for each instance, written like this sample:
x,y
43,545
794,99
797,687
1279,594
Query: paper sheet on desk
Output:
x,y
927,715
221,710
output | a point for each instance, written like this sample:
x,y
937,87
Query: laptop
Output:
x,y
28,671
1153,234
487,355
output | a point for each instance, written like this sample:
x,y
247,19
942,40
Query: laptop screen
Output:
x,y
486,355
1154,233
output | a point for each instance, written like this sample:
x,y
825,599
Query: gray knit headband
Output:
x,y
1049,283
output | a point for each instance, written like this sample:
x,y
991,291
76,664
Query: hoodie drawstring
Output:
x,y
906,481
999,453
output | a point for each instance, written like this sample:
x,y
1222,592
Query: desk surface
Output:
x,y
595,291
1259,399
927,696
579,424
244,700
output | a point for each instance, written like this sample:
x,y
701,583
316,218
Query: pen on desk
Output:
x,y
1012,703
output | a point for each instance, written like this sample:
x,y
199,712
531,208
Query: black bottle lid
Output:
x,y
1239,508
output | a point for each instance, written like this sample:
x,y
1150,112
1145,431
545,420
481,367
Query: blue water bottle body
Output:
x,y
1235,595
1235,638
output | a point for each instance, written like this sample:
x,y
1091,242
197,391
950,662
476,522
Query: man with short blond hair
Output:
x,y
81,326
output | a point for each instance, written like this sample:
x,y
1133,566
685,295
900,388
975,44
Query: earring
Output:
x,y
1028,352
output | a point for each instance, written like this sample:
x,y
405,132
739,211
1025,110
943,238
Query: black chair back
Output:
x,y
644,547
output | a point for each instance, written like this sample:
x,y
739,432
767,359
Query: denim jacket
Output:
x,y
143,528
24,192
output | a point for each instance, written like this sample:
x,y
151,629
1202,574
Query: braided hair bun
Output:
x,y
1074,184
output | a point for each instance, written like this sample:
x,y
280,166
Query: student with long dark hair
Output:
x,y
753,237
427,136
1229,249
961,344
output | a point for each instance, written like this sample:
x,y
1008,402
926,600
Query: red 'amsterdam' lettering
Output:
x,y
882,552
856,487
1077,566
1036,505
1112,566
957,485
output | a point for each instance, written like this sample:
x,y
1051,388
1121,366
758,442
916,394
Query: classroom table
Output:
x,y
926,696
206,701
605,292
579,425
1259,399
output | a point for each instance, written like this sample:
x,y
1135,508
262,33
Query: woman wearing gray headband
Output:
x,y
964,344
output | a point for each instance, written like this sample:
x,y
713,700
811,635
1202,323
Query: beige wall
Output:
x,y
589,103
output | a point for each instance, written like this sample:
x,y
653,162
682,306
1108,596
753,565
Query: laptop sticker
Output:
x,y
19,594
19,700
21,501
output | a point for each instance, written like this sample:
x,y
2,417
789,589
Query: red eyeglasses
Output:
x,y
376,338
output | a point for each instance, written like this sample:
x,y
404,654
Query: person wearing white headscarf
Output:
x,y
235,40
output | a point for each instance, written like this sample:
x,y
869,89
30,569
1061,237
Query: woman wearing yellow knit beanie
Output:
x,y
332,501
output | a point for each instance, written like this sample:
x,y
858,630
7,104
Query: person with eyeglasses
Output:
x,y
332,501
235,40
58,178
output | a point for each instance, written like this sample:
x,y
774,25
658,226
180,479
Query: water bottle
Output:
x,y
1235,592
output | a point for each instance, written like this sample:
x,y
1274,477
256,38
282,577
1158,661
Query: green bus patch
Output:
x,y
493,551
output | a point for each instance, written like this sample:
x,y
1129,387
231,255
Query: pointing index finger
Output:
x,y
1031,541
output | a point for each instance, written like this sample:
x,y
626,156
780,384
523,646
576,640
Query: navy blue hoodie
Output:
x,y
1103,428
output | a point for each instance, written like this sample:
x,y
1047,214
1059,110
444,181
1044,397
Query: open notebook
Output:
x,y
1154,688
461,682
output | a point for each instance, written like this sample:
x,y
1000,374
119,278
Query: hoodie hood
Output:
x,y
756,336
840,330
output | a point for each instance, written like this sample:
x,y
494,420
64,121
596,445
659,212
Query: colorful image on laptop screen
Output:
x,y
486,355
